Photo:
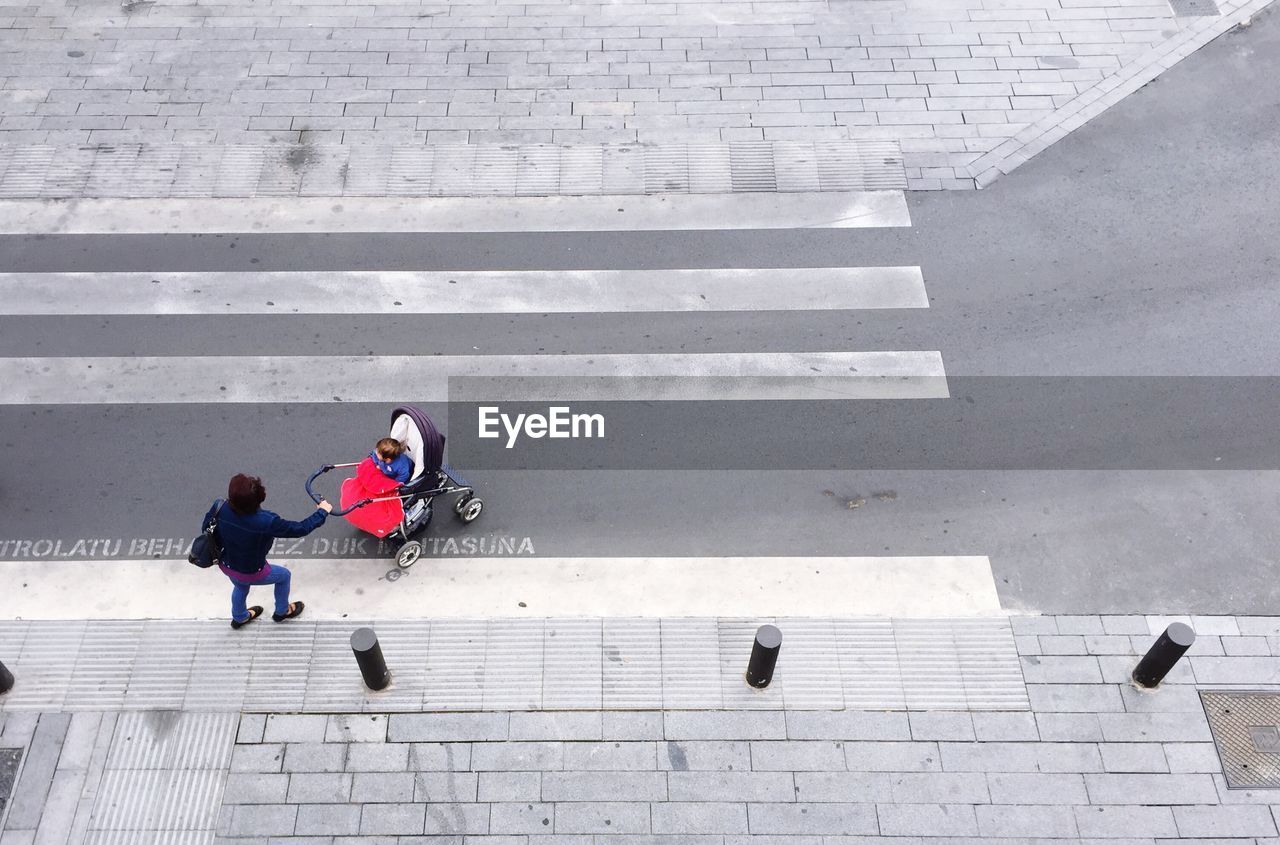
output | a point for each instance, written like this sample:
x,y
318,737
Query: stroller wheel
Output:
x,y
461,502
408,554
471,510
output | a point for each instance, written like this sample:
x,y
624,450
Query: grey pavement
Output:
x,y
1094,759
968,89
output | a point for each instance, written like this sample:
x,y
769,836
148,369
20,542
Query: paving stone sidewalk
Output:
x,y
1094,760
969,88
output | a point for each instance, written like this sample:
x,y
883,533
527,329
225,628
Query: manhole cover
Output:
x,y
1246,729
1194,8
9,760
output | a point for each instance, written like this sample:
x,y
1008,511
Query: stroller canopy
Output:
x,y
423,441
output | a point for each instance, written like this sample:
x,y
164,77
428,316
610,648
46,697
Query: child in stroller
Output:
x,y
389,455
379,504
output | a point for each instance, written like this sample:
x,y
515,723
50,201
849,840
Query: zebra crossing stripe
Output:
x,y
399,378
823,210
463,292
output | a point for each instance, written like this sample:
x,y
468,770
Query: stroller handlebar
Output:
x,y
317,498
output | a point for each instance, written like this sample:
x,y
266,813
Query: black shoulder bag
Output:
x,y
206,550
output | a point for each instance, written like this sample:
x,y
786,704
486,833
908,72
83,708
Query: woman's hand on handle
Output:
x,y
324,506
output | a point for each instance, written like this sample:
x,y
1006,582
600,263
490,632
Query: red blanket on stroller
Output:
x,y
378,518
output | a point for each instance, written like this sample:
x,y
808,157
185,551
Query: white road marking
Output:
x,y
824,210
463,292
534,378
473,587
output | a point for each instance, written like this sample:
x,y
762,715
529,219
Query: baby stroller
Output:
x,y
388,510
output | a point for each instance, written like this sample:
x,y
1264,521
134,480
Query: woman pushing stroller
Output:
x,y
246,531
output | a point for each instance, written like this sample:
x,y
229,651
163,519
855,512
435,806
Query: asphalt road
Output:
x,y
1141,245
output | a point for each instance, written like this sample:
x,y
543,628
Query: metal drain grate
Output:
x,y
1194,8
1246,729
9,760
460,170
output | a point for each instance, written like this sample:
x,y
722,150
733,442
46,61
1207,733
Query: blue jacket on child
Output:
x,y
401,468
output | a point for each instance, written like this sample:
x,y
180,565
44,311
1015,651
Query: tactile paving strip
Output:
x,y
461,170
1246,730
164,778
515,664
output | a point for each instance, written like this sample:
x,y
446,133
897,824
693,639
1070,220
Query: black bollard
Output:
x,y
6,679
764,656
373,667
1163,654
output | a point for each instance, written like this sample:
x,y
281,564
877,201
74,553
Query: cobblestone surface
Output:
x,y
970,88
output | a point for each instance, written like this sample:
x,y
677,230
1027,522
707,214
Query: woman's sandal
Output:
x,y
254,613
295,609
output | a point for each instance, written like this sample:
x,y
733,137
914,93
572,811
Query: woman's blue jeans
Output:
x,y
277,575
